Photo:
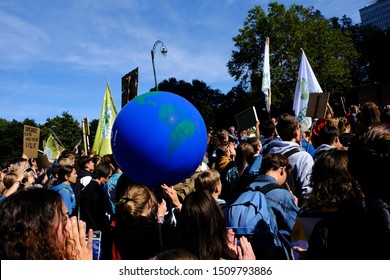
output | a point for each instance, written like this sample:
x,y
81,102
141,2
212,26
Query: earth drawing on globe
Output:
x,y
159,137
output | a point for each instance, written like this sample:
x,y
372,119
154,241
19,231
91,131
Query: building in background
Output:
x,y
377,13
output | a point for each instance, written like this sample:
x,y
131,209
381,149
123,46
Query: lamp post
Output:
x,y
164,51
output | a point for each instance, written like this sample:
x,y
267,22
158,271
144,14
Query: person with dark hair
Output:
x,y
281,203
369,114
93,206
86,167
329,139
65,177
359,229
369,164
35,225
110,187
333,188
202,229
268,132
289,131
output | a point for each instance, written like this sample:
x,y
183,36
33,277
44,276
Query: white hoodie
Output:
x,y
301,162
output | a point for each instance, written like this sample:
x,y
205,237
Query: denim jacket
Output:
x,y
283,211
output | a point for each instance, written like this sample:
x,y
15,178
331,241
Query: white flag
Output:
x,y
306,83
266,82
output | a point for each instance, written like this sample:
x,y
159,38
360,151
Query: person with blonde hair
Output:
x,y
137,234
210,181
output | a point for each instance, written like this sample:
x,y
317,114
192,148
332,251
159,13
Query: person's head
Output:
x,y
136,200
32,226
86,163
256,144
209,181
330,135
203,228
174,254
369,114
244,156
343,125
288,128
277,166
33,163
9,179
96,159
67,158
268,129
331,181
369,160
110,160
67,174
222,136
29,178
354,109
102,172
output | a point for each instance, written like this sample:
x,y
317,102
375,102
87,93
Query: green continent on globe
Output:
x,y
180,132
142,98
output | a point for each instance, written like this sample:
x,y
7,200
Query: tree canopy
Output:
x,y
329,50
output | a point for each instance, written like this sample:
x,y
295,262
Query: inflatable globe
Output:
x,y
158,137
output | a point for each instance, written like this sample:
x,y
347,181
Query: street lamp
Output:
x,y
164,51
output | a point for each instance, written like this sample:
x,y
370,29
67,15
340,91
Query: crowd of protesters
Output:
x,y
333,201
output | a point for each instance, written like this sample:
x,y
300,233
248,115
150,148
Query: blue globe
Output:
x,y
158,137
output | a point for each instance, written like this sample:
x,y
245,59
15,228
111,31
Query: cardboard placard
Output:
x,y
31,141
247,118
316,107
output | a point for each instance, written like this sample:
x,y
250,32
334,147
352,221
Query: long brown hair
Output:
x,y
203,228
29,221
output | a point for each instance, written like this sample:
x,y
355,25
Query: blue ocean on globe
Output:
x,y
158,137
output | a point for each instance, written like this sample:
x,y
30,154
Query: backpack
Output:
x,y
248,216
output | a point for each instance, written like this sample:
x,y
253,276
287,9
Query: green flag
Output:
x,y
51,147
102,143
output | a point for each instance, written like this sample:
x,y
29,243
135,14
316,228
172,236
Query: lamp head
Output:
x,y
164,50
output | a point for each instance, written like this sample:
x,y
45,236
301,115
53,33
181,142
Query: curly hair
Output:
x,y
29,222
331,181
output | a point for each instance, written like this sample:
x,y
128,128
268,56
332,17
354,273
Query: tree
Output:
x,y
329,50
66,128
11,143
205,99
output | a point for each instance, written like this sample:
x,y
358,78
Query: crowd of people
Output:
x,y
332,199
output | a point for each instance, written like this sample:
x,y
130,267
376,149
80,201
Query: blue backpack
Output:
x,y
248,216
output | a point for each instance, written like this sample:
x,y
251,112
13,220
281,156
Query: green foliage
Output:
x,y
66,129
11,143
205,99
329,50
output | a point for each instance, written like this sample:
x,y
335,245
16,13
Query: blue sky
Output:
x,y
56,55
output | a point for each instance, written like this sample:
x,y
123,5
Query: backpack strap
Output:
x,y
266,188
291,152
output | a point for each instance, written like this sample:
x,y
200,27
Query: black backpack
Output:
x,y
290,182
